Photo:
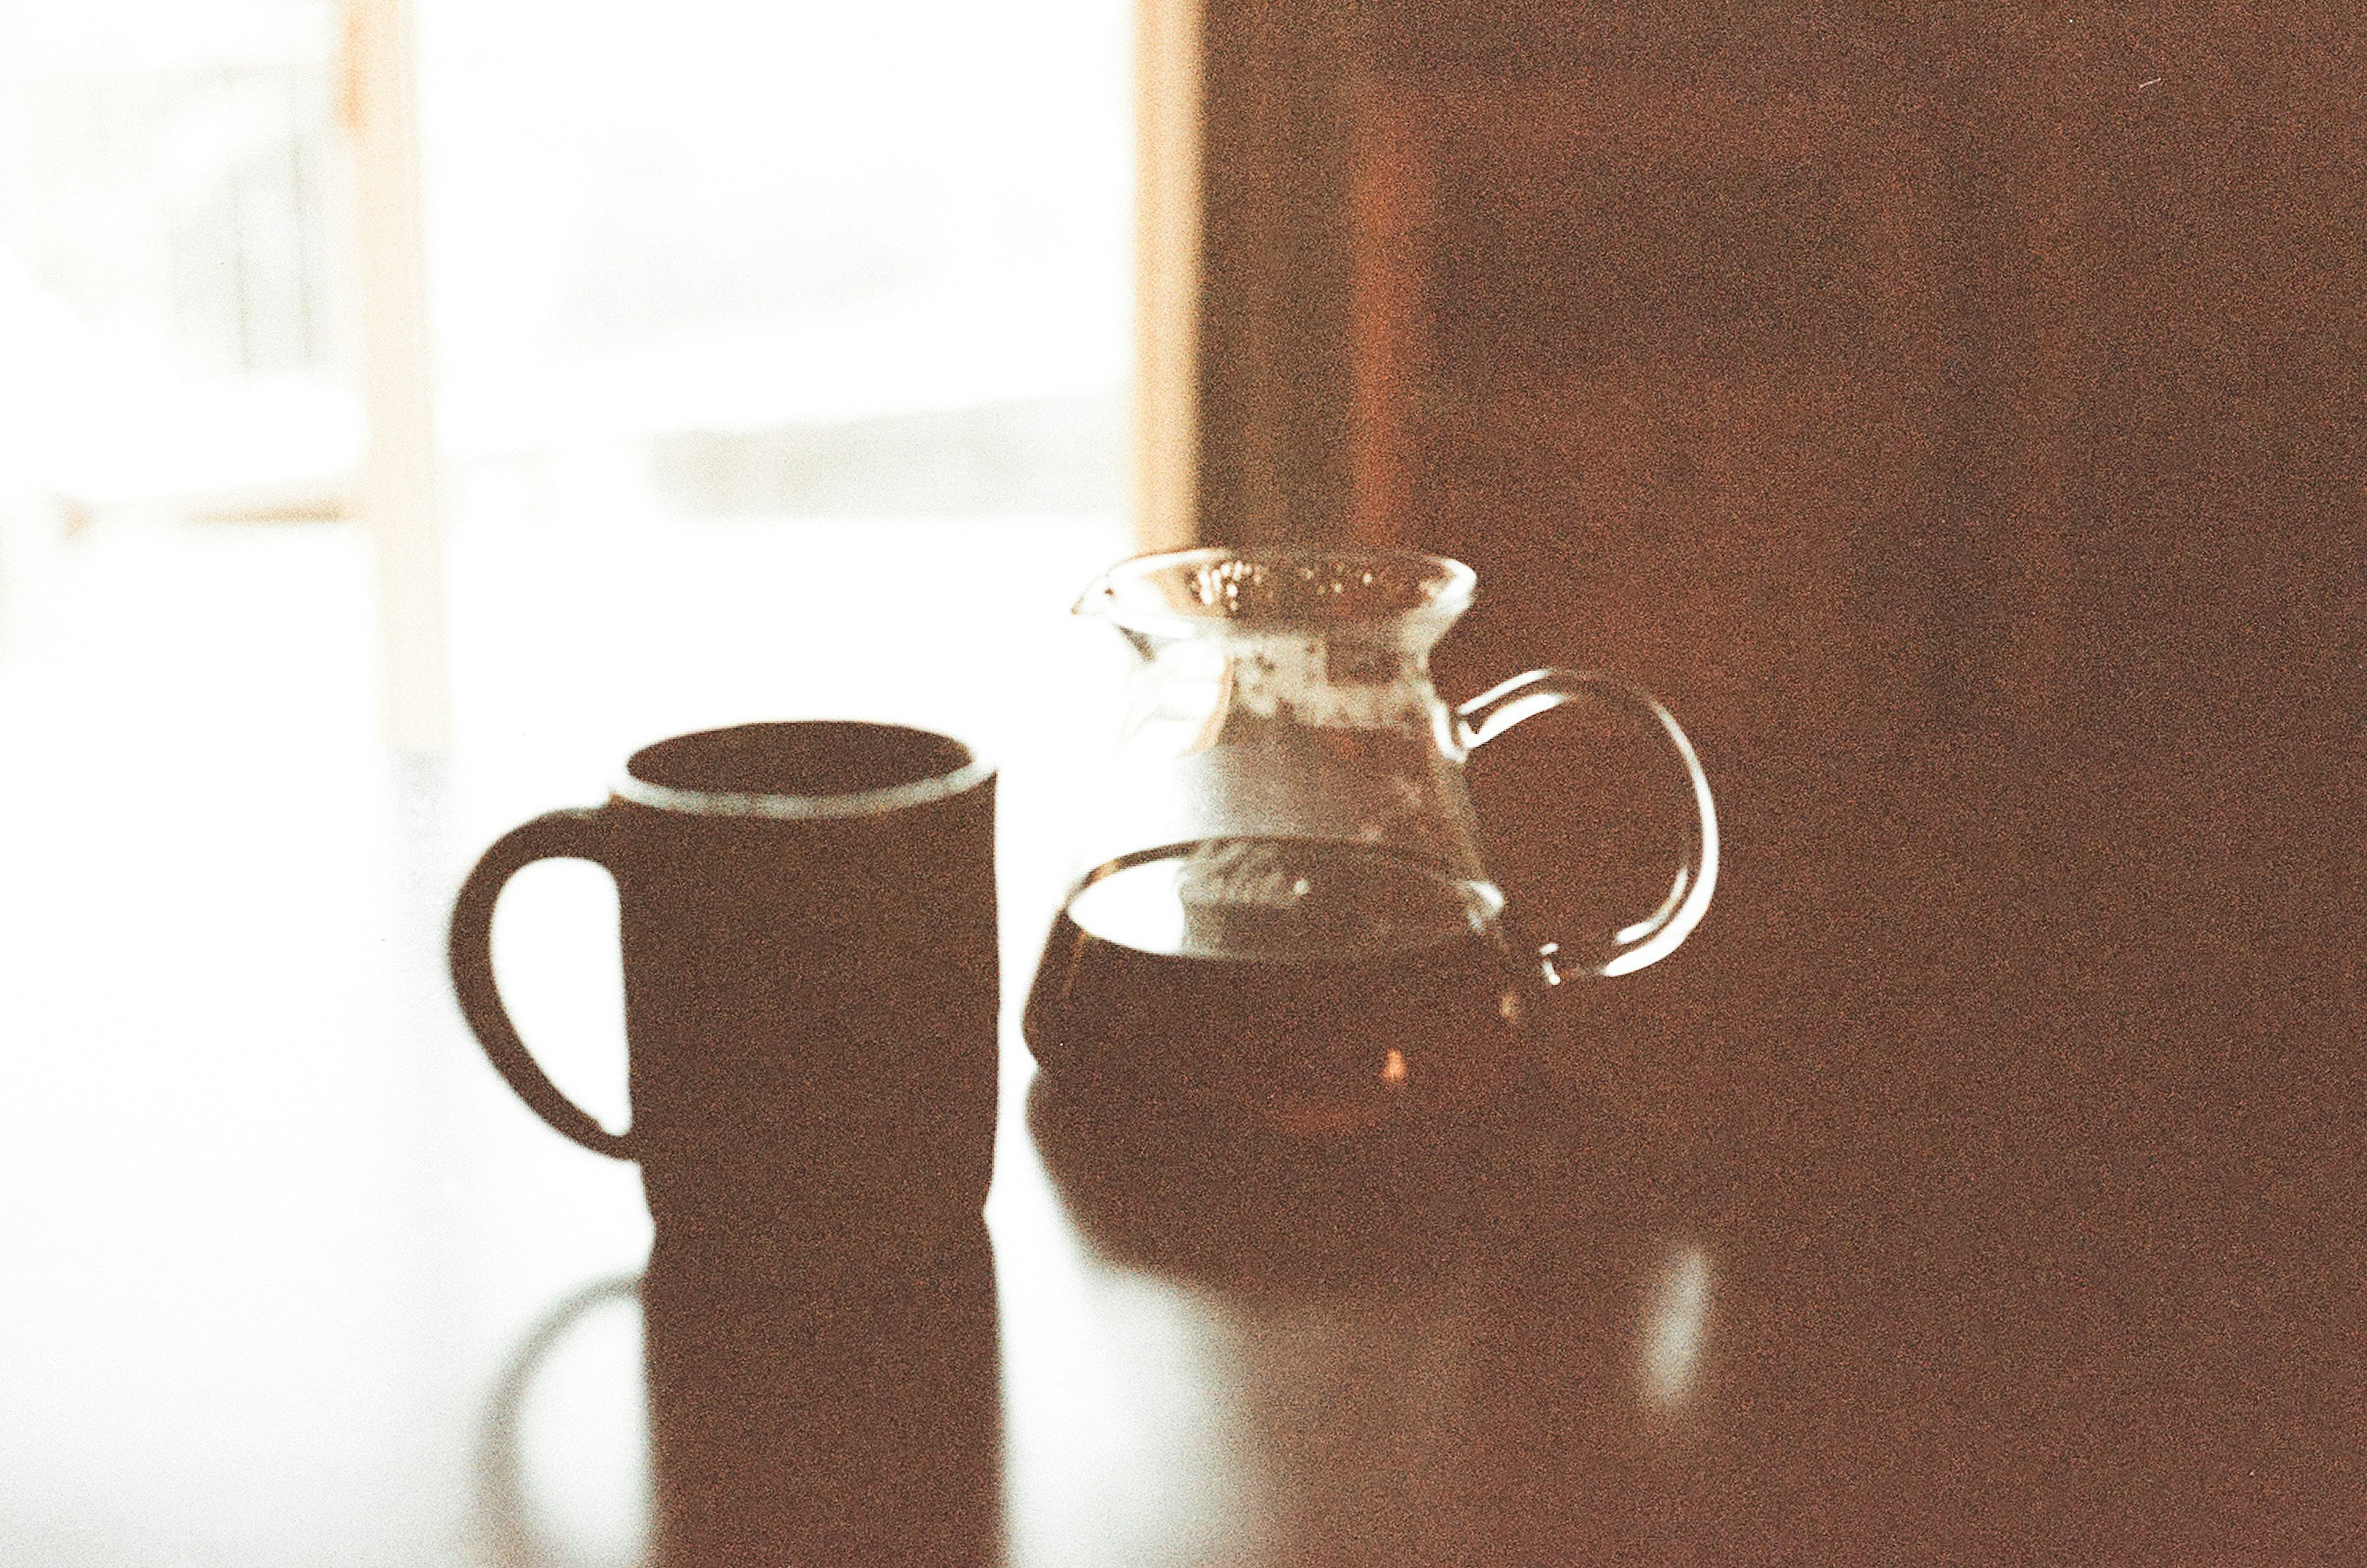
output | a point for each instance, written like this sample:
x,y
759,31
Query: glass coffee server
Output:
x,y
1286,923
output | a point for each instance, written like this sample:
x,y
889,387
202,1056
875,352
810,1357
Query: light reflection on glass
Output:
x,y
1673,1327
1661,915
563,1464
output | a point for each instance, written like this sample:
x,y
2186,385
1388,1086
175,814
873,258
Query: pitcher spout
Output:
x,y
1096,599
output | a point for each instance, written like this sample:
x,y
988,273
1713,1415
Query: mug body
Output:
x,y
810,980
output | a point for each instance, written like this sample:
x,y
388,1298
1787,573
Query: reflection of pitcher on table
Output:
x,y
1288,918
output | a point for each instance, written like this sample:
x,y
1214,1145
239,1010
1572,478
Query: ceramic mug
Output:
x,y
808,915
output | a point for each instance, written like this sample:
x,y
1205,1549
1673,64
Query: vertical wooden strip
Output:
x,y
1167,272
1276,377
398,489
1389,203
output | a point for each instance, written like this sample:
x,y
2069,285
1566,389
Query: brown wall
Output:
x,y
1962,423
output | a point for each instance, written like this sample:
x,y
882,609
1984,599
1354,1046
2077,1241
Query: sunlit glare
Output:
x,y
1673,1327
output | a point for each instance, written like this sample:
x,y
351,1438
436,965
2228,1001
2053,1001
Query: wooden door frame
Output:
x,y
1168,160
400,495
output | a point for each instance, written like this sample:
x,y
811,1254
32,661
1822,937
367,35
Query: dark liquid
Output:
x,y
1311,986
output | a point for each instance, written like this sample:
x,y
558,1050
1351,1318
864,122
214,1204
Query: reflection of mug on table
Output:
x,y
851,1415
856,1419
811,990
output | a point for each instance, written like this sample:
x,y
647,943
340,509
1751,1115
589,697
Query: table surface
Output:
x,y
294,1279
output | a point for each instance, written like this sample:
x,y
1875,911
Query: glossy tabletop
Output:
x,y
1860,1257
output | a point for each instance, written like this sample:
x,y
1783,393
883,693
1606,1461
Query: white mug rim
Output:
x,y
792,807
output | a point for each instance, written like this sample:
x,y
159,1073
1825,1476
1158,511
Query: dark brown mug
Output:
x,y
808,916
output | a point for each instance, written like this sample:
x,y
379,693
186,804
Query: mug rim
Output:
x,y
785,806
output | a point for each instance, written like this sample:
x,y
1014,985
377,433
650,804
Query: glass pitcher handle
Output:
x,y
1660,934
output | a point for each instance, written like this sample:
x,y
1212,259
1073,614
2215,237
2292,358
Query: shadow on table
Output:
x,y
1207,1200
1472,1340
805,1405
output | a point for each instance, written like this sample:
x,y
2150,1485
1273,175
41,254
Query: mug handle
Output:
x,y
577,834
1660,934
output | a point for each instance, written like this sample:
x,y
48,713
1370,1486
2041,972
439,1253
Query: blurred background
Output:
x,y
749,253
775,368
